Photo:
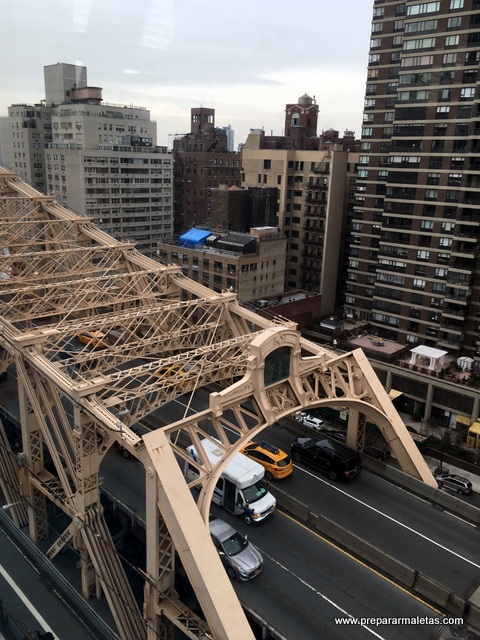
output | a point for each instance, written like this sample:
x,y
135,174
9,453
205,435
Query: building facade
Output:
x,y
203,162
249,264
313,175
98,159
413,263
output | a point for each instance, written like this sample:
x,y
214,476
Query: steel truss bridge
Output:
x,y
60,275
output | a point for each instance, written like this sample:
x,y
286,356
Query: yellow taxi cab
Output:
x,y
170,371
94,339
277,463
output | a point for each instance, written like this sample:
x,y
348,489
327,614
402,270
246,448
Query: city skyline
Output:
x,y
171,56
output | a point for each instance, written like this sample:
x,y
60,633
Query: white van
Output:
x,y
240,489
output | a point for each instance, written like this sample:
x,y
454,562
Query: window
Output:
x,y
418,283
454,23
449,59
423,255
425,7
452,41
456,4
431,194
443,111
426,225
374,58
418,61
267,164
445,242
440,272
467,93
438,287
412,96
424,25
421,43
455,179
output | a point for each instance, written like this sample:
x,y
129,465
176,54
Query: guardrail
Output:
x,y
83,610
408,577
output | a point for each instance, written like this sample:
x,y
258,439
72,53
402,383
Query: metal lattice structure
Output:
x,y
61,276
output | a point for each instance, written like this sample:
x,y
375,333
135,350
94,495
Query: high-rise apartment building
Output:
x,y
413,269
97,158
312,174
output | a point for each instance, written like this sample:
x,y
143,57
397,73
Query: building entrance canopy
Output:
x,y
433,356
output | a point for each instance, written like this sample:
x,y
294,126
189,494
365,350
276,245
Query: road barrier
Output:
x,y
415,581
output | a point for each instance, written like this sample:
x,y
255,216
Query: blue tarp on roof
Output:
x,y
194,237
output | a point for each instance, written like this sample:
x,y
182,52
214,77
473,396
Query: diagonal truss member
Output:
x,y
62,277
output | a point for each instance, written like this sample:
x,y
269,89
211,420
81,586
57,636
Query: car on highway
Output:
x,y
378,451
94,339
174,370
308,421
241,559
459,484
333,458
277,462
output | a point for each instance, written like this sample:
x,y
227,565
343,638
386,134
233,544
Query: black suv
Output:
x,y
333,458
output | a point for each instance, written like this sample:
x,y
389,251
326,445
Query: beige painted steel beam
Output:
x,y
61,276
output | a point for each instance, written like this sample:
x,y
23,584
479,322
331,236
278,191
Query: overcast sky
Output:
x,y
245,59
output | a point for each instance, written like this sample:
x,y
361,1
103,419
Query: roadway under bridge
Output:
x,y
150,334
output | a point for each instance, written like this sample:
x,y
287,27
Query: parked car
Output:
x,y
308,420
241,559
94,339
277,463
378,451
328,456
455,483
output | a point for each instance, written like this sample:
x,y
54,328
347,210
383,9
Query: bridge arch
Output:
x,y
67,276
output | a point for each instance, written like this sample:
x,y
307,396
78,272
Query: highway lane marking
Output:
x,y
26,601
358,561
401,524
319,593
414,495
421,535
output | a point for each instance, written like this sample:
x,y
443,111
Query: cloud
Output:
x,y
246,60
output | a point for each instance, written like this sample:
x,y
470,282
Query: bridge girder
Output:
x,y
60,276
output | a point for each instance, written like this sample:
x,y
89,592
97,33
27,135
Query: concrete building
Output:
x,y
413,273
312,174
240,209
249,264
203,162
97,158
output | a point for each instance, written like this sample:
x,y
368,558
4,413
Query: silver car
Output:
x,y
455,483
242,560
